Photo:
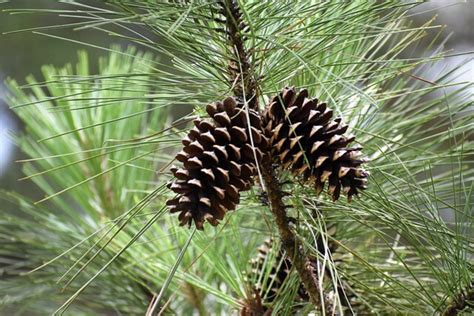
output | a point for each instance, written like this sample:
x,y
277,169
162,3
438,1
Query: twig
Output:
x,y
290,243
240,71
239,66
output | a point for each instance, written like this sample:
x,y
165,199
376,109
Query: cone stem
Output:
x,y
292,246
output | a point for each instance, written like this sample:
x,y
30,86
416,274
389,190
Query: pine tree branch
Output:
x,y
241,78
462,300
245,86
290,243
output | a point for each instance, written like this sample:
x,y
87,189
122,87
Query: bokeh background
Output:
x,y
23,53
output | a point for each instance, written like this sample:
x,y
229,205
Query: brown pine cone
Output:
x,y
219,161
277,275
306,140
281,268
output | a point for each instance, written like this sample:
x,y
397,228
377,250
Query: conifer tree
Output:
x,y
318,168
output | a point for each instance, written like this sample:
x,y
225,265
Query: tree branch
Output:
x,y
290,243
240,72
245,86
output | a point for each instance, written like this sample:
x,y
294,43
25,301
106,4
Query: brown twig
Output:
x,y
290,243
240,72
245,86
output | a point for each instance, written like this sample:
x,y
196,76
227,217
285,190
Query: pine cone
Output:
x,y
306,140
278,273
282,265
266,291
219,162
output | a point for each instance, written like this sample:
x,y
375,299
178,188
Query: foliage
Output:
x,y
100,145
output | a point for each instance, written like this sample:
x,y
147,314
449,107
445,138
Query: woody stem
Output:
x,y
293,247
240,73
245,86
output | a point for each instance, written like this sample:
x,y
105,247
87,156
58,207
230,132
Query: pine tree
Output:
x,y
251,158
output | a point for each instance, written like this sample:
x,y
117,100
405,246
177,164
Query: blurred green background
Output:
x,y
23,53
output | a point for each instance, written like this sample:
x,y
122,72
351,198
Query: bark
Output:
x,y
245,86
293,247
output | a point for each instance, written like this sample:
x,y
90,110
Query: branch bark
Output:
x,y
240,70
292,246
245,86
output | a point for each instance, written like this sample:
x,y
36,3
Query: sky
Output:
x,y
7,126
